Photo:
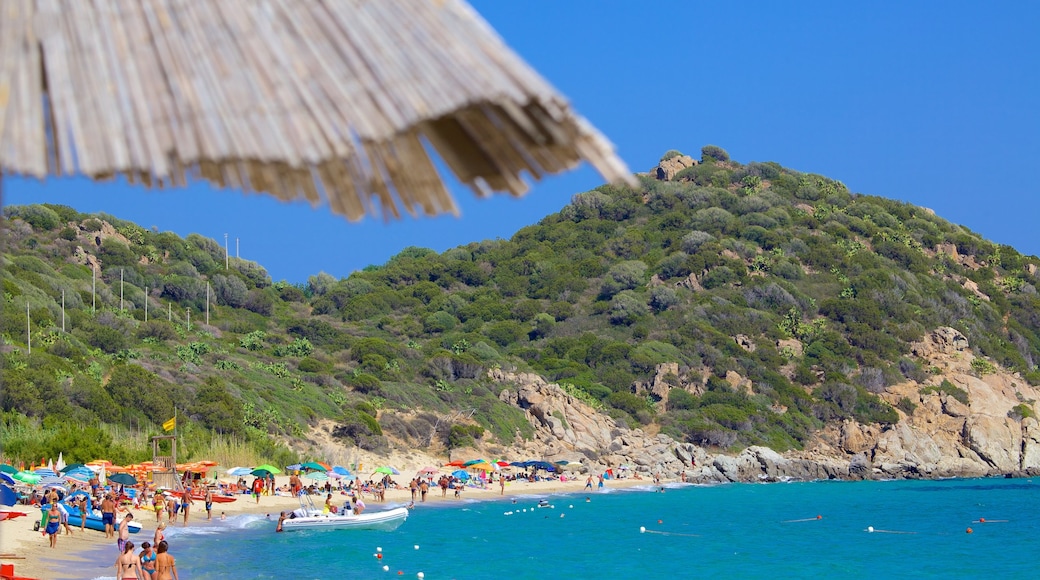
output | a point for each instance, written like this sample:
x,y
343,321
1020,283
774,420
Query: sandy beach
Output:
x,y
32,557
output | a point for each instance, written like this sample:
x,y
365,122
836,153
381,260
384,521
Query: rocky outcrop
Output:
x,y
668,168
961,425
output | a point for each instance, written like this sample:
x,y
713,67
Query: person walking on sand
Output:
x,y
53,524
128,564
165,563
600,481
424,488
588,482
108,515
124,532
209,504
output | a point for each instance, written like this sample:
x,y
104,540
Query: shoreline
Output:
x,y
86,551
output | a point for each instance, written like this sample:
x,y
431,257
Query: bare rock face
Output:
x,y
997,440
792,345
1030,444
667,169
856,438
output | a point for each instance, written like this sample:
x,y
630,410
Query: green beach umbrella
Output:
x,y
265,469
313,466
27,477
71,466
9,469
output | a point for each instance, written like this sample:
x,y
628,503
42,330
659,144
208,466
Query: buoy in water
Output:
x,y
386,568
642,529
420,575
378,549
969,531
819,517
379,556
561,515
870,529
982,520
416,546
660,522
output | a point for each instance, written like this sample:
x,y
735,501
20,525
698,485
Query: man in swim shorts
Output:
x,y
124,532
108,515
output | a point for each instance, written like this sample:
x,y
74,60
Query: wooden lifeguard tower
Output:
x,y
164,467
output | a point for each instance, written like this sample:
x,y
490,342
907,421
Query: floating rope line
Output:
x,y
643,530
871,530
816,519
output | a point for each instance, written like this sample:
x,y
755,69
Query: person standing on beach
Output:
x,y
82,512
186,503
108,515
413,486
128,565
209,504
424,488
502,485
258,486
588,482
124,532
600,481
53,523
165,563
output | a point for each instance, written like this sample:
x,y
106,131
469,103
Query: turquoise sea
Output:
x,y
737,530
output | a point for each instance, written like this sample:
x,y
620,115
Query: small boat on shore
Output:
x,y
388,520
307,517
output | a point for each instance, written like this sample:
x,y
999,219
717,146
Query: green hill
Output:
x,y
725,305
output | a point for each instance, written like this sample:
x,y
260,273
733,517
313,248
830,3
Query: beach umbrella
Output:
x,y
123,479
456,463
482,465
265,470
27,477
313,466
7,479
45,472
294,467
384,469
9,469
301,100
60,465
339,470
318,476
239,471
8,496
71,467
460,474
428,470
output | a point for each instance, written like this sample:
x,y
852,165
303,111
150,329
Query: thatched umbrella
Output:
x,y
301,99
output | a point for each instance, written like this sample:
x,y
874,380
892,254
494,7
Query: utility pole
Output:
x,y
226,260
169,313
28,328
146,304
93,289
120,289
188,310
236,248
207,303
63,310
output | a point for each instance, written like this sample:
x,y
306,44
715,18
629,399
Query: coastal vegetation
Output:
x,y
734,304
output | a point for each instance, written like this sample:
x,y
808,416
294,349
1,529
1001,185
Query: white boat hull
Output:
x,y
385,520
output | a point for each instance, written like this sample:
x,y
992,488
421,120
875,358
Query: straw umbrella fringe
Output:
x,y
335,100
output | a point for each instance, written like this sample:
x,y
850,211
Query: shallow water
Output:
x,y
739,530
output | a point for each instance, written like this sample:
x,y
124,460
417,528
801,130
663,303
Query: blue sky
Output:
x,y
935,103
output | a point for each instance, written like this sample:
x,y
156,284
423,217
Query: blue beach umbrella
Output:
x,y
45,472
239,471
8,496
7,479
460,474
340,470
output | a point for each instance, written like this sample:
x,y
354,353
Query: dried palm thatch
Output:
x,y
302,99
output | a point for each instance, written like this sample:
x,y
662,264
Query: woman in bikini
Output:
x,y
165,564
53,523
128,565
159,535
147,557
